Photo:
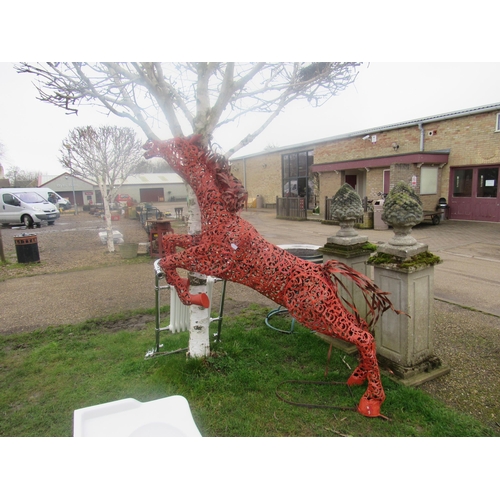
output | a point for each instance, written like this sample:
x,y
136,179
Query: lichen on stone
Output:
x,y
402,206
346,204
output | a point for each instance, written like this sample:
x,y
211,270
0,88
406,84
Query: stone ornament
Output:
x,y
402,210
346,207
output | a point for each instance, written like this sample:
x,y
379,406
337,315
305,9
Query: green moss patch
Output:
x,y
423,259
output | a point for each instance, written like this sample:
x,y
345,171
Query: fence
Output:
x,y
291,208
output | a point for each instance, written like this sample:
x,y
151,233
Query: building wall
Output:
x,y
261,174
86,193
471,140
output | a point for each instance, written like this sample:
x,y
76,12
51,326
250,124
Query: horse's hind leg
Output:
x,y
372,399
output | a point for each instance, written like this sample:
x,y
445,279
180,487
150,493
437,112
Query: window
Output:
x,y
295,174
462,183
487,182
8,199
428,180
497,128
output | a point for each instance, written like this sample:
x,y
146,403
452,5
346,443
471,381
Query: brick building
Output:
x,y
455,156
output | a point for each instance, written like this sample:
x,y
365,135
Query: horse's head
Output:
x,y
179,152
152,149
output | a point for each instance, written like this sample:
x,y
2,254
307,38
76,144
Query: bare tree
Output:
x,y
193,98
22,178
105,156
152,166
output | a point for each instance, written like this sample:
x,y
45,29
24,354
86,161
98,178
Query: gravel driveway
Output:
x,y
77,278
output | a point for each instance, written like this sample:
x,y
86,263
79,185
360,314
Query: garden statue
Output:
x,y
230,248
346,207
402,211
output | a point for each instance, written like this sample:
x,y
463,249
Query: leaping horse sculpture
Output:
x,y
230,248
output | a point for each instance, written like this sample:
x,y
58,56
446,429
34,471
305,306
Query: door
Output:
x,y
10,209
351,180
486,207
151,195
387,182
461,199
474,194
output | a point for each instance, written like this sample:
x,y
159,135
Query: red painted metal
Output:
x,y
230,248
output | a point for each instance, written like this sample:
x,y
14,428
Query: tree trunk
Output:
x,y
107,215
199,317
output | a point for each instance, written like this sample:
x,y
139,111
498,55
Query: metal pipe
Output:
x,y
422,135
157,302
158,270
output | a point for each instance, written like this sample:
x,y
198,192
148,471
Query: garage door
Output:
x,y
152,195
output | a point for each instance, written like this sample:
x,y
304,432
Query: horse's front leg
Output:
x,y
171,241
169,264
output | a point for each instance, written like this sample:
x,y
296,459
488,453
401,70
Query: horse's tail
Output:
x,y
376,299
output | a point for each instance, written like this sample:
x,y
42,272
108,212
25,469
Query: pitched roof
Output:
x,y
140,179
409,123
165,178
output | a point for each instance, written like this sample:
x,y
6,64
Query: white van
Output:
x,y
51,196
25,206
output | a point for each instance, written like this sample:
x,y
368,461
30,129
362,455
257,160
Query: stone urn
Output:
x,y
346,208
402,210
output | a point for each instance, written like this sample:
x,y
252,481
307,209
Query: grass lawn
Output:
x,y
46,374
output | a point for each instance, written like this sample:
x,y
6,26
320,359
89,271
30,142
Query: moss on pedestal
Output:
x,y
419,261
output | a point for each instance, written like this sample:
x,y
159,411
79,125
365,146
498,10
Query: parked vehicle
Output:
x,y
19,206
124,198
51,196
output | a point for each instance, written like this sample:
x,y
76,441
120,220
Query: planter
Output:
x,y
306,252
128,250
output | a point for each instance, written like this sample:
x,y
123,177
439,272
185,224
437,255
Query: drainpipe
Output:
x,y
421,128
245,173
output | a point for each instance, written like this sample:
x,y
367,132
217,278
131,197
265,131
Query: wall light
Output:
x,y
395,146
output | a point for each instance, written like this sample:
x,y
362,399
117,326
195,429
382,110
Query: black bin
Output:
x,y
27,248
441,207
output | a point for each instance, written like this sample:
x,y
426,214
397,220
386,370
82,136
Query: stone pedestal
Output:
x,y
404,268
405,342
350,252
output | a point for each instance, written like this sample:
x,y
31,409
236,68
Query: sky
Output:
x,y
384,93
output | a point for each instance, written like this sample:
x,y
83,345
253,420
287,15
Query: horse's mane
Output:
x,y
232,192
231,189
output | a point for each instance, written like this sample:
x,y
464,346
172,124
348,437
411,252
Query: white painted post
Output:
x,y
199,317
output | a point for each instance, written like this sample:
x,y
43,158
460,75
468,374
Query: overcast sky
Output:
x,y
384,93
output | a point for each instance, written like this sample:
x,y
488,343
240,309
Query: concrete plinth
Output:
x,y
403,252
405,341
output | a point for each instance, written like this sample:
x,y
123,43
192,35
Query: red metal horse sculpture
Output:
x,y
230,248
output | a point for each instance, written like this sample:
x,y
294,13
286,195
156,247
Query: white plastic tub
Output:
x,y
167,417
